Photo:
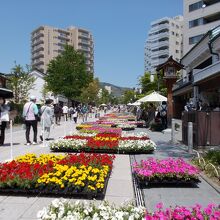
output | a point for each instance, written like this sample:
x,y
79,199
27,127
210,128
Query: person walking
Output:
x,y
46,119
75,115
4,118
65,112
30,111
163,114
57,113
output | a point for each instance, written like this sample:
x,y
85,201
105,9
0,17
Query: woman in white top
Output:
x,y
4,118
46,119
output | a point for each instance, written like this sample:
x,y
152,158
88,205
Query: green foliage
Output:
x,y
149,86
104,96
67,75
213,156
90,93
20,82
129,96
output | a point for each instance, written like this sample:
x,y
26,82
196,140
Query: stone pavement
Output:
x,y
119,188
175,195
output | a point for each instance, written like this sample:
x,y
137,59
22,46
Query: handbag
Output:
x,y
24,117
38,116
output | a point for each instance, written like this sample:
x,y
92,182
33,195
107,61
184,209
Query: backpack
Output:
x,y
163,112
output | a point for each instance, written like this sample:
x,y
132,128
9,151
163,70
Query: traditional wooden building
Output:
x,y
201,83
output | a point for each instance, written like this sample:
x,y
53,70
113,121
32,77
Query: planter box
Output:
x,y
169,182
108,151
51,191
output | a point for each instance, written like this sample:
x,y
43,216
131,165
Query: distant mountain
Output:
x,y
116,91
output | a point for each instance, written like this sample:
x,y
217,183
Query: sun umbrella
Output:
x,y
153,97
6,93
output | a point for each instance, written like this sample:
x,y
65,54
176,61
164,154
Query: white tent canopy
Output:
x,y
136,103
153,97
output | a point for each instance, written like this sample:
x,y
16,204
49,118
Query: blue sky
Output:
x,y
119,28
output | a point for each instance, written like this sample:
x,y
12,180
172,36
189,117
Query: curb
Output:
x,y
210,182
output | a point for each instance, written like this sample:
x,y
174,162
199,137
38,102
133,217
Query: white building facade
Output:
x,y
164,39
200,16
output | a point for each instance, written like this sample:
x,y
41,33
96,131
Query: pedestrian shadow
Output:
x,y
8,144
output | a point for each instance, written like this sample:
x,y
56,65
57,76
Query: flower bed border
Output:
x,y
156,182
106,151
48,192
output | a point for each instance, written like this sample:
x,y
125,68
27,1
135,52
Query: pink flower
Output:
x,y
159,205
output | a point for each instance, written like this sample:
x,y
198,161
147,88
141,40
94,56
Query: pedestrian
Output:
x,y
4,112
57,113
46,119
65,112
30,111
70,111
163,114
84,111
75,115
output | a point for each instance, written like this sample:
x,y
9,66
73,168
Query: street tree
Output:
x,y
67,74
20,82
129,96
89,94
148,85
104,96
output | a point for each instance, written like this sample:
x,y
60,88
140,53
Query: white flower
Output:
x,y
56,203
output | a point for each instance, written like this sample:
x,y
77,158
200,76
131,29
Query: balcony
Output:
x,y
37,42
159,44
37,49
207,72
158,36
37,35
159,53
38,62
159,27
37,55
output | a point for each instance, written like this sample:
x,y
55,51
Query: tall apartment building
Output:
x,y
164,39
199,17
48,42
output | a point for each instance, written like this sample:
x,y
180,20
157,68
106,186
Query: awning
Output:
x,y
6,93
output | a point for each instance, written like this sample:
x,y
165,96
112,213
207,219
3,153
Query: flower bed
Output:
x,y
62,209
101,130
104,143
80,175
212,212
170,170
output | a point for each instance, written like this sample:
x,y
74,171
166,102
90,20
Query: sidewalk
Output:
x,y
172,196
119,187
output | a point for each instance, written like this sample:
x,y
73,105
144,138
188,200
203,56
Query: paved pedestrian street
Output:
x,y
120,186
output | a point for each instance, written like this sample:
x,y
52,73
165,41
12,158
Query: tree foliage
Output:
x,y
129,96
67,75
104,96
90,93
149,86
20,82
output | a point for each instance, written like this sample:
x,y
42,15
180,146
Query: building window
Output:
x,y
177,43
195,39
196,22
177,34
195,6
172,32
177,51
